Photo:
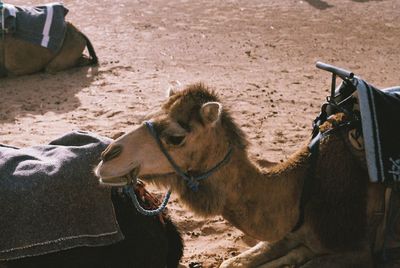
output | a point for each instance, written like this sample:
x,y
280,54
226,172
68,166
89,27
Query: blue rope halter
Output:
x,y
131,193
191,181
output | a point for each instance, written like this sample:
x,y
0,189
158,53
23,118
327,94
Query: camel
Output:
x,y
22,58
149,242
336,227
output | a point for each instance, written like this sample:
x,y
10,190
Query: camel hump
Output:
x,y
377,110
75,36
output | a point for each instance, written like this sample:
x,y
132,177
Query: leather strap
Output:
x,y
3,70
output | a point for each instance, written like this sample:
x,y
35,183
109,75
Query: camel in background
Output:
x,y
342,217
21,57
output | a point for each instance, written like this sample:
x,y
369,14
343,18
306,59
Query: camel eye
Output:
x,y
174,140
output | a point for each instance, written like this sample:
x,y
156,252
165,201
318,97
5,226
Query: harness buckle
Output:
x,y
193,184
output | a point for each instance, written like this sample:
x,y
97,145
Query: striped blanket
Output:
x,y
42,25
380,112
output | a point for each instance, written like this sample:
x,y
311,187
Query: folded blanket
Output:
x,y
50,199
40,25
380,113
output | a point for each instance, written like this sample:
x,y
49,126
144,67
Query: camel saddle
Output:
x,y
369,120
380,119
41,25
374,119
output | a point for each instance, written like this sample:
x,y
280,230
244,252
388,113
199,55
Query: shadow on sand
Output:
x,y
365,1
319,4
40,93
322,5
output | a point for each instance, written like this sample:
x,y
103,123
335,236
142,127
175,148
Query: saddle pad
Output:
x,y
41,25
51,200
380,114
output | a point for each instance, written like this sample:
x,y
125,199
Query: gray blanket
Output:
x,y
50,199
41,25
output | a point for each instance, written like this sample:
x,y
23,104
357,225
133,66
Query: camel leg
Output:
x,y
70,53
295,257
260,253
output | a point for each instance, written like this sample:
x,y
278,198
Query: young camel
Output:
x,y
340,215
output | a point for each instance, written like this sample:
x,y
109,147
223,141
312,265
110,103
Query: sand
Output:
x,y
259,55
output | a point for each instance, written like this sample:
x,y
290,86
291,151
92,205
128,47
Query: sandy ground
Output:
x,y
258,54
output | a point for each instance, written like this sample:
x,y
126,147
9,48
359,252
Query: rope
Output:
x,y
131,193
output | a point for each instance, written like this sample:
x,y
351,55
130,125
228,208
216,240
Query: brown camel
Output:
x,y
342,217
21,57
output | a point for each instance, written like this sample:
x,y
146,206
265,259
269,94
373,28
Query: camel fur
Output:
x,y
21,57
342,217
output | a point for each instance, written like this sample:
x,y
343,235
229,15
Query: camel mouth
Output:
x,y
119,181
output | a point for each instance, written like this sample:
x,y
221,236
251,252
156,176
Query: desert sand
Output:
x,y
259,55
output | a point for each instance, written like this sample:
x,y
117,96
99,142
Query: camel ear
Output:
x,y
211,112
174,86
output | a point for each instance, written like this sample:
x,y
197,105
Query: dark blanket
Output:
x,y
50,199
380,112
41,25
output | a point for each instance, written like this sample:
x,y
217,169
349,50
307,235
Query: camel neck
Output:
x,y
262,203
265,203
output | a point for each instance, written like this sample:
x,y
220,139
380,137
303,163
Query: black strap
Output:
x,y
3,70
389,255
313,147
391,234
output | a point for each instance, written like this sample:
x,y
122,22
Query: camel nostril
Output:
x,y
111,152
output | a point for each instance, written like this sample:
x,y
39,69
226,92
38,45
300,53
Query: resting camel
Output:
x,y
21,57
340,219
148,242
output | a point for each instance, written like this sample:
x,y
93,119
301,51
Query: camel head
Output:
x,y
192,128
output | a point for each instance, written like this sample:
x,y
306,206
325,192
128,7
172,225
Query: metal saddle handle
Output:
x,y
348,86
342,73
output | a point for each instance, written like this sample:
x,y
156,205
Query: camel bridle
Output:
x,y
191,181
